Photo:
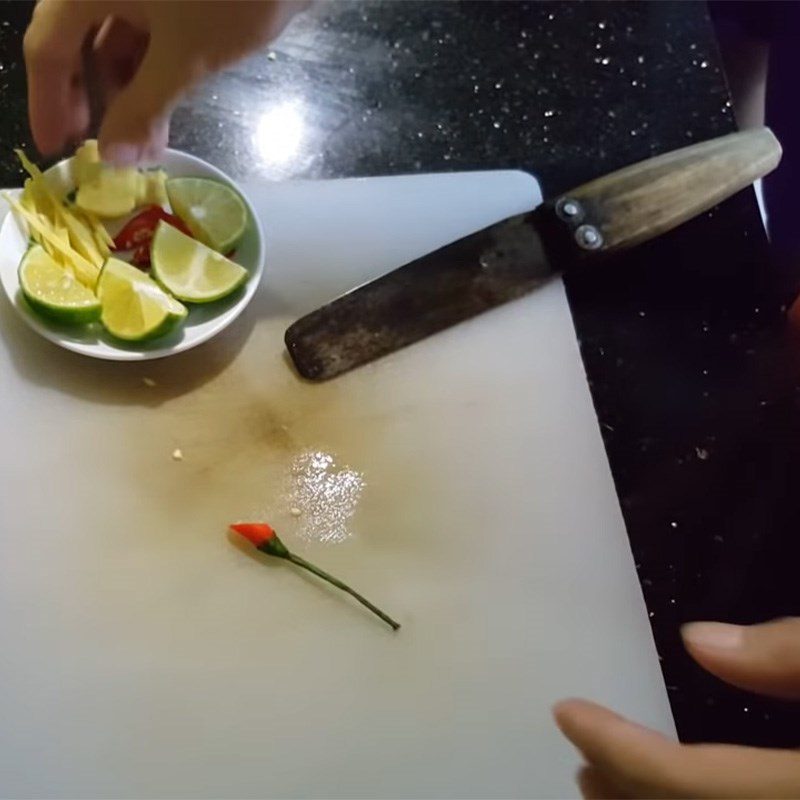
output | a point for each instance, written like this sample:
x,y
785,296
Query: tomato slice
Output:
x,y
142,227
139,229
141,256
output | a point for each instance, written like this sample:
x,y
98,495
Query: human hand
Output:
x,y
142,55
626,760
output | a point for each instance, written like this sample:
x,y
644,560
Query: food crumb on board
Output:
x,y
295,511
148,382
177,454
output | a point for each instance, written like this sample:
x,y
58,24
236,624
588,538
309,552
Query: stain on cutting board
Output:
x,y
240,419
256,441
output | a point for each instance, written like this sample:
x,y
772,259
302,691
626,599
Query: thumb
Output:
x,y
761,658
134,124
627,760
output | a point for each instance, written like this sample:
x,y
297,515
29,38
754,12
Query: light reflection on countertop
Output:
x,y
280,132
372,88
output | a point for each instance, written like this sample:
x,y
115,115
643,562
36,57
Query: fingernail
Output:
x,y
713,635
121,154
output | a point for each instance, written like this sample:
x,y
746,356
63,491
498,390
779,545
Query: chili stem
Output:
x,y
301,562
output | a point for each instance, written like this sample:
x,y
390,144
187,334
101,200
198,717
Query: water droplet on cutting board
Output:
x,y
323,496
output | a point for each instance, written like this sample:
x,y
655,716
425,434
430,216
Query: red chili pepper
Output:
x,y
257,533
266,540
141,228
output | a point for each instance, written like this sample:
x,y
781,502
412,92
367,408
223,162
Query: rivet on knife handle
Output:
x,y
647,199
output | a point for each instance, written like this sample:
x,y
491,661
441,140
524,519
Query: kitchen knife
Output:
x,y
511,258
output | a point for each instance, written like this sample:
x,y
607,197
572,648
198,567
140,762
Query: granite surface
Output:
x,y
692,366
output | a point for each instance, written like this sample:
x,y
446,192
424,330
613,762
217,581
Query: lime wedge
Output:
x,y
191,271
135,307
53,292
214,213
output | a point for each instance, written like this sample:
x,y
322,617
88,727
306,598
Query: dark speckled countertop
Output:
x,y
694,375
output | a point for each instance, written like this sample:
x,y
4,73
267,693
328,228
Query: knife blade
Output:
x,y
511,258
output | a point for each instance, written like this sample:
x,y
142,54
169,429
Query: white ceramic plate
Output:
x,y
203,322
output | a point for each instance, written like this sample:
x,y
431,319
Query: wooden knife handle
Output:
x,y
644,200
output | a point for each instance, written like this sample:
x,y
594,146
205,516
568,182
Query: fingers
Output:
x,y
118,50
57,102
594,785
136,121
146,58
762,658
615,746
154,150
643,763
626,759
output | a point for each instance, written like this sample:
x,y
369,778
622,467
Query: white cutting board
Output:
x,y
144,655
